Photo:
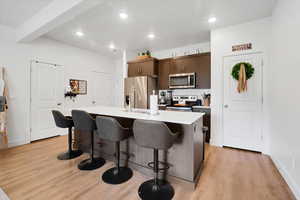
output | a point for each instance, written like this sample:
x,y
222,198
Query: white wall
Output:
x,y
222,40
181,51
121,71
16,58
283,108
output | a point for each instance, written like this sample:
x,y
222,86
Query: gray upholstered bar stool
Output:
x,y
85,123
110,129
62,121
157,136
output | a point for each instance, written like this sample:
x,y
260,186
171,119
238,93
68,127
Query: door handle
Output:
x,y
58,104
226,106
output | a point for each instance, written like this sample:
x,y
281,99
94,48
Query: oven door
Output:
x,y
179,109
182,80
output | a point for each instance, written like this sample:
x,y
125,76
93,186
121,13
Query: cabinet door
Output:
x,y
163,74
133,69
147,68
201,65
179,66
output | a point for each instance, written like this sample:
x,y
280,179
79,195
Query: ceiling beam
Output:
x,y
55,14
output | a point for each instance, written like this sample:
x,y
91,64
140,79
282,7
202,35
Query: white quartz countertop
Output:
x,y
164,116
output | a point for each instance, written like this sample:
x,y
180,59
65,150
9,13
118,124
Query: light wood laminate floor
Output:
x,y
32,172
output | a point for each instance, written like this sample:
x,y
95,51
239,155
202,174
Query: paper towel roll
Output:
x,y
153,104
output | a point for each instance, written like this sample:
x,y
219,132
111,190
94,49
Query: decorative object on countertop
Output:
x,y
206,99
154,104
143,55
165,97
242,72
3,111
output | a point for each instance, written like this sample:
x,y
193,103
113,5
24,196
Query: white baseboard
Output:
x,y
287,177
16,143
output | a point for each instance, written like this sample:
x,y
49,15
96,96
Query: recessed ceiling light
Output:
x,y
151,36
212,20
112,46
123,15
79,33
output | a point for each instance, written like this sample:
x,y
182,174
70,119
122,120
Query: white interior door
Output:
x,y
242,112
47,94
103,90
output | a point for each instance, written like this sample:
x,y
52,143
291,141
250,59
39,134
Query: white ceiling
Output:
x,y
15,12
174,22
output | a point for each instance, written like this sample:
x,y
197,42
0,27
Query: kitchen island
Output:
x,y
185,158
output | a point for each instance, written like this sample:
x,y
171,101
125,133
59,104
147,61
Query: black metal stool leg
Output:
x,y
156,189
70,154
92,162
117,175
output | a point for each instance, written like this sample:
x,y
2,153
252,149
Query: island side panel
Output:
x,y
180,156
198,147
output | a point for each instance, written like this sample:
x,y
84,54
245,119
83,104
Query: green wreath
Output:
x,y
236,70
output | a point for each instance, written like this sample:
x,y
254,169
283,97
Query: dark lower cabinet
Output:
x,y
206,120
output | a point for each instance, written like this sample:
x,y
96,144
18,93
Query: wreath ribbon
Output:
x,y
242,82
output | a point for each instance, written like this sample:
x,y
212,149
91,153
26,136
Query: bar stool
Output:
x,y
157,136
62,121
85,123
110,129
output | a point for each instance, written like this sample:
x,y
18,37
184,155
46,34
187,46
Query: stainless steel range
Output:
x,y
183,103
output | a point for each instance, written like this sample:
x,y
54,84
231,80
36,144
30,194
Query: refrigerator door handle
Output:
x,y
134,98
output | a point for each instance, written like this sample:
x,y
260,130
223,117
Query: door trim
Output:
x,y
263,142
28,136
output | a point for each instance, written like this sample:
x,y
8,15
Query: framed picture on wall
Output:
x,y
78,86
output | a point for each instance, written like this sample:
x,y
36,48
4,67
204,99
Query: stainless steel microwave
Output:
x,y
187,80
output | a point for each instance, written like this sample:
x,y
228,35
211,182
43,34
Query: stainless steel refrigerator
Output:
x,y
138,91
